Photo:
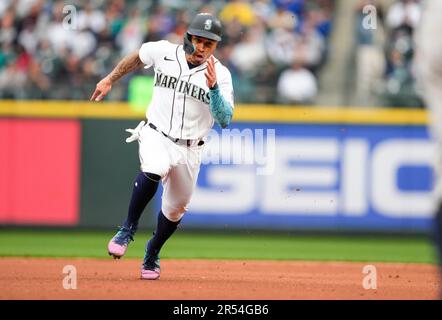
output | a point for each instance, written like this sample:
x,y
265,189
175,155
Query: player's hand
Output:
x,y
135,133
210,73
102,89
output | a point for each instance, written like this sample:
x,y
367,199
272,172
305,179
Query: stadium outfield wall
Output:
x,y
276,167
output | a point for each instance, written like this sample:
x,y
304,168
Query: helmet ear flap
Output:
x,y
188,45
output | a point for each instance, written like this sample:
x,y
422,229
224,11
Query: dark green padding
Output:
x,y
108,168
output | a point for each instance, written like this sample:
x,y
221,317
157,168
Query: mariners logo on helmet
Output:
x,y
208,24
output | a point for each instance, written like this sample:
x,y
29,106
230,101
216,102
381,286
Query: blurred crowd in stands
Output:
x,y
60,49
275,49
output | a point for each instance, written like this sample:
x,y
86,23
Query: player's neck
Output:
x,y
191,65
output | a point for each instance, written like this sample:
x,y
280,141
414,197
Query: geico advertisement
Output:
x,y
315,176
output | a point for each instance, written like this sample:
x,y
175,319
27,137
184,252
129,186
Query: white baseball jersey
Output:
x,y
180,101
179,108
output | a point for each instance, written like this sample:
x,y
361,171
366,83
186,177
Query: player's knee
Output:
x,y
173,213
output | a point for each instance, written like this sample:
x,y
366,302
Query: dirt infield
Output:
x,y
42,278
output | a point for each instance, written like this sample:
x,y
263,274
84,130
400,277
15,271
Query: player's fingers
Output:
x,y
95,94
210,65
210,72
209,79
101,96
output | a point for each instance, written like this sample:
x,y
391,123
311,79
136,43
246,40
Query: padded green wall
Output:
x,y
108,168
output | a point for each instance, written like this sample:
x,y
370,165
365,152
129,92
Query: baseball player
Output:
x,y
192,90
429,66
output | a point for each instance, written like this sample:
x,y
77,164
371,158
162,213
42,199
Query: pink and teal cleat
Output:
x,y
150,269
118,244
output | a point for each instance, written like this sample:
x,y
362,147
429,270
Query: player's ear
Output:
x,y
189,48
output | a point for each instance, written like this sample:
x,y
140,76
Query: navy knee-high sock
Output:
x,y
145,186
165,228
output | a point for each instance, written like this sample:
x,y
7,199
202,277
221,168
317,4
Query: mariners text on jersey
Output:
x,y
189,89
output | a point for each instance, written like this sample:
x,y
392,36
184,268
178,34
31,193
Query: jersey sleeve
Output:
x,y
221,98
149,52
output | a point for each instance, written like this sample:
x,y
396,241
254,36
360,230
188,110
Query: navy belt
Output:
x,y
187,142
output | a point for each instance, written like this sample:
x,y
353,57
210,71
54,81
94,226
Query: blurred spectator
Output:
x,y
240,10
404,13
402,19
13,78
180,28
28,37
249,55
297,85
384,54
8,31
283,19
263,9
91,19
131,36
39,83
370,58
4,5
23,7
59,37
161,23
296,7
310,43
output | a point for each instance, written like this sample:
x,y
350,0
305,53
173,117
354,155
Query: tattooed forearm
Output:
x,y
125,66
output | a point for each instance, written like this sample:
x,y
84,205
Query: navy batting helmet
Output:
x,y
203,25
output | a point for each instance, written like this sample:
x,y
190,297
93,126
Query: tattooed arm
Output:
x,y
128,64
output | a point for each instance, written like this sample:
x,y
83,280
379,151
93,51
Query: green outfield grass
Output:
x,y
71,243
